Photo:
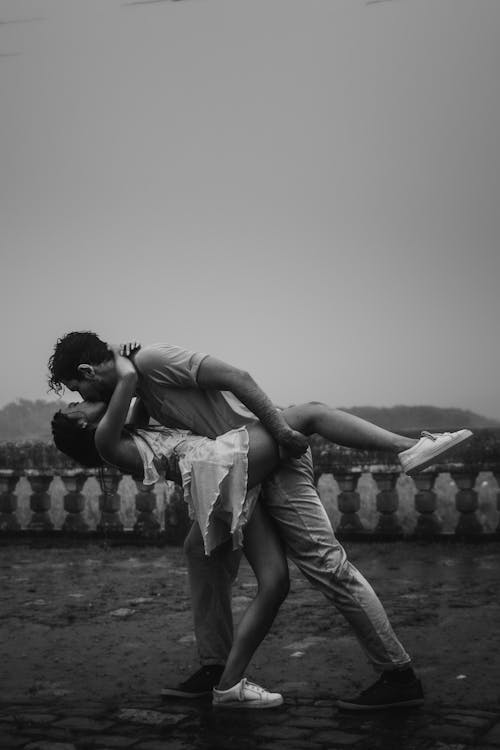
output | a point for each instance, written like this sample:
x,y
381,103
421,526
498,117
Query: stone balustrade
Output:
x,y
370,501
365,494
71,501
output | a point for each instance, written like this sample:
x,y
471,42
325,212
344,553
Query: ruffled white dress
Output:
x,y
213,474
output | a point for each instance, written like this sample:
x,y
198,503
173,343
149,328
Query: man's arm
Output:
x,y
214,373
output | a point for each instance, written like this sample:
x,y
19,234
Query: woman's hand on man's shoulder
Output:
x,y
124,366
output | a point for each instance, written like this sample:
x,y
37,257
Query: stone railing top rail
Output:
x,y
321,468
480,453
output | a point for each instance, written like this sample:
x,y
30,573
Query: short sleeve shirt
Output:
x,y
169,388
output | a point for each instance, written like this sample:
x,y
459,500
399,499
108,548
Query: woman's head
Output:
x,y
73,430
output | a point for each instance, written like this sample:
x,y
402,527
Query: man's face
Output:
x,y
94,383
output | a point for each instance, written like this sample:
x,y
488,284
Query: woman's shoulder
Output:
x,y
125,456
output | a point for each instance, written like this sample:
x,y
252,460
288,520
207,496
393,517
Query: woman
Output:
x,y
220,479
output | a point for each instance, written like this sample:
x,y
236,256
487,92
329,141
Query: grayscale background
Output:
x,y
308,189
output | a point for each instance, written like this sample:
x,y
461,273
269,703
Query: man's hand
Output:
x,y
295,443
131,347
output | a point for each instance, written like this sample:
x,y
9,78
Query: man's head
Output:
x,y
83,363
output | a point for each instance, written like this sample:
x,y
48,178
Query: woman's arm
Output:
x,y
139,415
108,436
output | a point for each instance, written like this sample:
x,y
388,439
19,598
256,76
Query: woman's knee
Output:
x,y
304,416
276,586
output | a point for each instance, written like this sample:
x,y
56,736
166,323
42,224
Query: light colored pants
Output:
x,y
290,497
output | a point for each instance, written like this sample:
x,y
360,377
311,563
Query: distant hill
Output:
x,y
26,420
411,418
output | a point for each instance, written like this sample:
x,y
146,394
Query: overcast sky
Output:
x,y
308,189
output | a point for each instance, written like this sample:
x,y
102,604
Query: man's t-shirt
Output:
x,y
169,389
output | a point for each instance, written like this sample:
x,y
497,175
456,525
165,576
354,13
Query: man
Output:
x,y
195,391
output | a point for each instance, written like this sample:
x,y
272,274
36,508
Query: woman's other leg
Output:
x,y
343,428
264,551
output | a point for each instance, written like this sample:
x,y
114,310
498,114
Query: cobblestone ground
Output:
x,y
89,635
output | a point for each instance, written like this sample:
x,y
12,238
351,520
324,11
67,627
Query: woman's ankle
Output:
x,y
226,684
404,443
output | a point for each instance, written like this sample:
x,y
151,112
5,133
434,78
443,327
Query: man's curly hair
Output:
x,y
73,349
76,441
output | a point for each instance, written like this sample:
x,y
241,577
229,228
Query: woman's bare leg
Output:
x,y
265,554
343,428
262,546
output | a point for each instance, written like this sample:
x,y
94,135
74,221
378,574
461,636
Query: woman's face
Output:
x,y
87,412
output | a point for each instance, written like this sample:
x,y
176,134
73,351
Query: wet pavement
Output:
x,y
89,634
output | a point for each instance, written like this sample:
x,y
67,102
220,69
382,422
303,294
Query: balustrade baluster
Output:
x,y
74,501
349,502
8,500
109,505
40,500
428,522
466,502
145,502
177,521
387,502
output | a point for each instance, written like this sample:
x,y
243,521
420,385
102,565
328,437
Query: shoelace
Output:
x,y
257,688
430,435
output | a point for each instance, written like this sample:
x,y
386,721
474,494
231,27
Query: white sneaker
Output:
x,y
246,694
429,447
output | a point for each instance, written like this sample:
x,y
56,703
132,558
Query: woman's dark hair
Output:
x,y
73,349
76,441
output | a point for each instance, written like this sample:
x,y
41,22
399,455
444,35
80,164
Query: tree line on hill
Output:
x,y
434,418
26,420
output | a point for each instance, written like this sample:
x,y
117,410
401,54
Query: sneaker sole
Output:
x,y
439,452
248,704
381,706
173,693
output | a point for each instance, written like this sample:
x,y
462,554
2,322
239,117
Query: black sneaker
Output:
x,y
385,694
200,683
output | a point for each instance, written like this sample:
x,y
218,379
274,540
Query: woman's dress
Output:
x,y
213,475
